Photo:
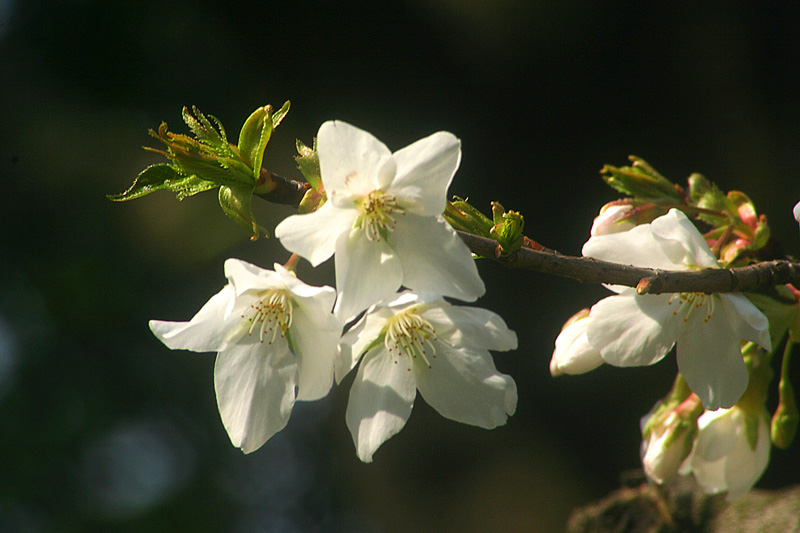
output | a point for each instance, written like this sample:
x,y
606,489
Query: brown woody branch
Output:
x,y
752,278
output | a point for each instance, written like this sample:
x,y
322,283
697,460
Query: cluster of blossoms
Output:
x,y
714,423
279,340
385,219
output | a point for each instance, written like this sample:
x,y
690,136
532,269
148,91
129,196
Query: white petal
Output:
x,y
718,431
746,319
681,242
366,272
744,465
205,332
464,385
470,326
313,236
255,391
424,172
316,345
358,338
381,400
350,159
636,246
435,259
796,211
710,360
632,330
573,354
245,276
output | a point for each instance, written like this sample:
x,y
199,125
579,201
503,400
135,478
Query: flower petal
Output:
x,y
350,159
464,385
435,259
744,466
381,400
358,338
245,276
746,319
366,272
316,347
470,326
255,391
710,359
206,332
424,172
313,236
632,330
636,246
681,242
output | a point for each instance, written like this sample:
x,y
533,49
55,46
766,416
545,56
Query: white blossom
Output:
x,y
383,219
630,329
731,451
413,342
272,334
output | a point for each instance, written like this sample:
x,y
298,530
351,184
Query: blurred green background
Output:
x,y
103,428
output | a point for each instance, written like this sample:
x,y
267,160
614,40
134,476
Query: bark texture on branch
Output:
x,y
751,278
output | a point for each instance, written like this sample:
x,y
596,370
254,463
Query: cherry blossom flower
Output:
x,y
383,219
731,451
630,329
272,334
421,342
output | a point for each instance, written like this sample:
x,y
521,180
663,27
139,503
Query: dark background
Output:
x,y
101,427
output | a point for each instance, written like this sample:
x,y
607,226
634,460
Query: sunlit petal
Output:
x,y
381,400
465,386
632,330
255,392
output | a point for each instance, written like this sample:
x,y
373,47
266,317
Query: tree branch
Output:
x,y
752,278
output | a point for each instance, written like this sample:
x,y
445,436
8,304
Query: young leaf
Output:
x,y
163,176
254,137
236,204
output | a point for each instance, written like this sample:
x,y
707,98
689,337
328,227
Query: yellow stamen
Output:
x,y
409,334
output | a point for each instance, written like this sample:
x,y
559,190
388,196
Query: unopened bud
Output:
x,y
573,354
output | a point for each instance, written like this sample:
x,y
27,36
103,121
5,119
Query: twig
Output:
x,y
752,278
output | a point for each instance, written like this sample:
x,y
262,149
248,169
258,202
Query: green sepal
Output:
x,y
308,163
163,176
236,204
253,138
640,181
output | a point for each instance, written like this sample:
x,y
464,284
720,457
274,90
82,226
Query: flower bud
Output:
x,y
668,433
612,219
573,354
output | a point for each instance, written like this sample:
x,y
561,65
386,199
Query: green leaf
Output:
x,y
308,163
236,204
704,193
640,181
278,115
163,176
254,137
